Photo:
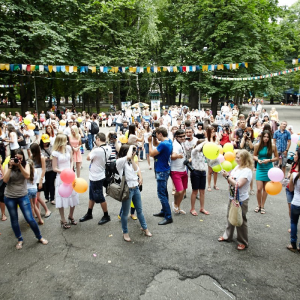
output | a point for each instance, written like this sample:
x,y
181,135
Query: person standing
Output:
x,y
62,159
75,142
162,156
98,157
282,139
263,153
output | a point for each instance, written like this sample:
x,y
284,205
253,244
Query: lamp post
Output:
x,y
199,93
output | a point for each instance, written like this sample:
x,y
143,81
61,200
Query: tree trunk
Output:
x,y
193,97
215,102
272,100
23,94
97,100
73,99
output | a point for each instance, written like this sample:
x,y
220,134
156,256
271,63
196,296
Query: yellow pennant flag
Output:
x,y
2,67
131,69
7,67
165,69
67,69
134,69
220,67
75,69
32,68
205,68
93,69
175,69
246,65
158,69
50,67
148,69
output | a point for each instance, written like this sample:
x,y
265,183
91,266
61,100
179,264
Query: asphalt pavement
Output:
x,y
183,260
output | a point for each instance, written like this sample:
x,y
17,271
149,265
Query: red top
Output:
x,y
294,165
225,139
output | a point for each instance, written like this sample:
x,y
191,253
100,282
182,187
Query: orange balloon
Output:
x,y
273,188
229,156
221,149
30,126
80,185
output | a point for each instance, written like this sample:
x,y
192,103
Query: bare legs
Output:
x,y
178,198
261,194
78,166
210,172
47,211
36,211
2,207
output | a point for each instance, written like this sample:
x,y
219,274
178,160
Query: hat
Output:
x,y
45,138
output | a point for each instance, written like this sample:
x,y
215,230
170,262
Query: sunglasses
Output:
x,y
181,136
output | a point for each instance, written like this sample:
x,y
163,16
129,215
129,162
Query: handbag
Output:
x,y
119,192
235,216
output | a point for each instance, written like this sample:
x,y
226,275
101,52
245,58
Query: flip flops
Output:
x,y
193,212
203,211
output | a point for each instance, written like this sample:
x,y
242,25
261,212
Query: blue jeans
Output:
x,y
295,212
162,192
118,125
91,140
24,203
135,196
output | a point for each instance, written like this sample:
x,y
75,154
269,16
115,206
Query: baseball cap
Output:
x,y
45,138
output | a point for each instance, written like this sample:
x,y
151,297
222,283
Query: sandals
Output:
x,y
43,241
65,225
209,189
48,215
205,212
4,218
241,247
72,221
292,248
193,212
19,245
52,202
133,217
126,239
216,188
262,211
252,192
146,232
221,239
257,209
181,211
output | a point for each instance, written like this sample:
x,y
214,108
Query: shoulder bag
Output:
x,y
118,191
235,216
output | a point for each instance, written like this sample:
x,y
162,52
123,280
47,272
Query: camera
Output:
x,y
187,139
16,160
248,134
189,165
154,134
113,136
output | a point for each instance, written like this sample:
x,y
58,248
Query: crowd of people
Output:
x,y
36,154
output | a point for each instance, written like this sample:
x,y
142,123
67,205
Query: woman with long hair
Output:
x,y
16,173
63,159
294,186
211,136
50,175
40,167
50,131
200,132
146,133
125,163
265,153
239,178
36,130
75,142
12,139
32,191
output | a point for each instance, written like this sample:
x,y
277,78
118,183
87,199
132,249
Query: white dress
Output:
x,y
63,162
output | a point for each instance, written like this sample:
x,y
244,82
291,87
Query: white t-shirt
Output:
x,y
97,166
130,175
167,120
189,145
119,119
88,125
238,173
15,144
296,198
177,164
69,115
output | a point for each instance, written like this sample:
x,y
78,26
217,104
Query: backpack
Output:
x,y
22,142
110,171
94,128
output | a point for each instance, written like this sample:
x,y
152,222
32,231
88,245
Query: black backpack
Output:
x,y
22,142
94,128
110,170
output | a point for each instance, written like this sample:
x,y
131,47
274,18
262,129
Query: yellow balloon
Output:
x,y
31,126
220,149
228,147
27,121
7,159
127,133
62,123
211,150
123,139
80,185
256,133
79,120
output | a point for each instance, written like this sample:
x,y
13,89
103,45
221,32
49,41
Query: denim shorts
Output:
x,y
37,132
32,193
289,195
96,191
146,146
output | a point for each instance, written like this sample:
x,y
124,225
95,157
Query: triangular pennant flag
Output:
x,y
46,68
131,69
67,69
50,67
2,67
155,69
120,69
32,68
175,69
58,68
205,68
75,69
41,68
93,69
24,67
54,69
171,68
220,67
123,69
71,69
246,65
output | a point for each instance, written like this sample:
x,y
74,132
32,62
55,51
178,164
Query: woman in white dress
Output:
x,y
63,159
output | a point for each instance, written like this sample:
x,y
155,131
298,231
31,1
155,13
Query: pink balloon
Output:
x,y
67,176
275,174
221,158
65,190
295,138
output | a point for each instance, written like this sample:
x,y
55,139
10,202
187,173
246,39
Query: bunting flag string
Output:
x,y
296,61
106,69
12,85
257,77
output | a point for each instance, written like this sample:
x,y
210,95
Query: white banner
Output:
x,y
155,107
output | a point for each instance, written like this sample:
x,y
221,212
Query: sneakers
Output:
x,y
104,220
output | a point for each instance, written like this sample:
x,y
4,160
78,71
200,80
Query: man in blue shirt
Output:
x,y
162,156
282,139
